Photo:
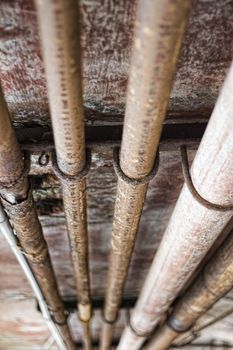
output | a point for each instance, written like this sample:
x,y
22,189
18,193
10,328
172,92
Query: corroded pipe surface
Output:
x,y
129,202
212,284
25,222
159,29
59,27
158,35
20,208
74,198
10,171
193,227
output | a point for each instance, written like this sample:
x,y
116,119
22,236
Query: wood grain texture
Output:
x,y
107,27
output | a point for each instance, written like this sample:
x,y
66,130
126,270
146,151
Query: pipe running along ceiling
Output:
x,y
202,211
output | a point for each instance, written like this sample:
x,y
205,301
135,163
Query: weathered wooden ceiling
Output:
x,y
107,34
107,27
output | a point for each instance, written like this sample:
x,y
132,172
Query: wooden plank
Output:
x,y
107,36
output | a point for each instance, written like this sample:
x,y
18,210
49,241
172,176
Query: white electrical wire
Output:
x,y
9,235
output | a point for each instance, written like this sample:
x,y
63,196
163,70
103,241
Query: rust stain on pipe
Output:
x,y
17,200
129,203
193,228
159,31
59,27
11,170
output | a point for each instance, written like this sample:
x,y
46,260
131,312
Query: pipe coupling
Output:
x,y
141,333
177,325
192,189
134,182
84,312
72,178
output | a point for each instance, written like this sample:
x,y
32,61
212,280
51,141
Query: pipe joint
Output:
x,y
72,178
131,181
40,256
85,312
140,333
177,325
17,191
112,322
11,185
196,195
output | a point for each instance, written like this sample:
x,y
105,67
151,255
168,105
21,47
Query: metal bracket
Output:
x,y
139,333
72,178
188,180
134,182
110,322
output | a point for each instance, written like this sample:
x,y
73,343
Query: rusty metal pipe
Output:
x,y
11,159
8,233
16,198
212,284
159,31
60,37
193,227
